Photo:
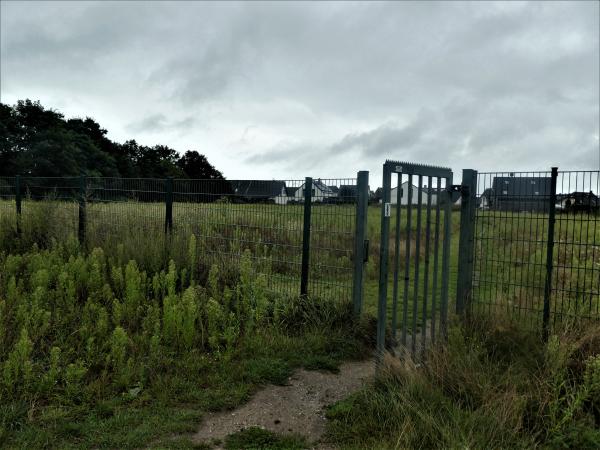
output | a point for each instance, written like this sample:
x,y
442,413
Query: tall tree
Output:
x,y
195,165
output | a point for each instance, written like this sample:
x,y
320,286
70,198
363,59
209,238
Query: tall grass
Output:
x,y
492,386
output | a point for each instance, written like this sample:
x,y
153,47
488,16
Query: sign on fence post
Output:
x,y
82,212
18,202
549,252
308,185
468,199
360,247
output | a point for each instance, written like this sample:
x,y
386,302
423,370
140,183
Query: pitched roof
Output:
x,y
257,188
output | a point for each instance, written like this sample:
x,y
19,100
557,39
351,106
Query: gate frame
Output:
x,y
405,168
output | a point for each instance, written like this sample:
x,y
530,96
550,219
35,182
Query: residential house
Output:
x,y
519,194
320,192
425,192
260,191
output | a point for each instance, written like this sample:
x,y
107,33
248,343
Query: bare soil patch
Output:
x,y
298,407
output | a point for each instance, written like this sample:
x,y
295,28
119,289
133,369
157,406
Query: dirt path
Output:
x,y
295,408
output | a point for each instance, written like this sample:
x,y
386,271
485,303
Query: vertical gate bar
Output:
x,y
169,205
308,185
396,258
436,247
426,266
383,260
18,202
549,251
362,204
407,259
82,210
446,258
415,308
466,240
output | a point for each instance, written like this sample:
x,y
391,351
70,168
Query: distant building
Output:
x,y
425,192
529,194
260,191
578,202
320,192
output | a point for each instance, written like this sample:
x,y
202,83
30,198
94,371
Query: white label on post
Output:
x,y
388,210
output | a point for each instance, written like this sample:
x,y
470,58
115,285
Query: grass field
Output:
x,y
129,341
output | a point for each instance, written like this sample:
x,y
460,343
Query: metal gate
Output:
x,y
421,254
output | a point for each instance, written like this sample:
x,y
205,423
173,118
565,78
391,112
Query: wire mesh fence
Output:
x,y
198,223
537,245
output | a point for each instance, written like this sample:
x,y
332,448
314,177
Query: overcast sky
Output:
x,y
289,90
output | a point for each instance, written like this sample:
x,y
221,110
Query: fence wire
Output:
x,y
511,245
155,220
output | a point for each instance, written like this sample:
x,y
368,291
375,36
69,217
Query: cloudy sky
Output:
x,y
290,90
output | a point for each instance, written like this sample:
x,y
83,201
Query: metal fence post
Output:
x,y
82,209
360,243
468,203
383,262
168,205
308,184
549,252
18,202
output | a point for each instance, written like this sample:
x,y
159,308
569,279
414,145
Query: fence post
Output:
x,y
549,252
383,262
308,183
468,203
168,205
82,211
18,202
360,243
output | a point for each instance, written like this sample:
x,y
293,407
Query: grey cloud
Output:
x,y
455,83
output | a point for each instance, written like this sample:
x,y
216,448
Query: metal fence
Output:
x,y
302,240
534,246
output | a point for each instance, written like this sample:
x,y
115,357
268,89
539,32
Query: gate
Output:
x,y
417,240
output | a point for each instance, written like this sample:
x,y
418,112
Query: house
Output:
x,y
260,191
519,194
320,192
425,192
578,202
348,193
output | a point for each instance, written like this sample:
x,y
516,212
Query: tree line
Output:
x,y
39,142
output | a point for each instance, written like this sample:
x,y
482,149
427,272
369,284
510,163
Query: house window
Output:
x,y
505,192
532,182
537,192
505,181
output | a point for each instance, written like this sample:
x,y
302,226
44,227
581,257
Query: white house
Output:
x,y
320,192
415,195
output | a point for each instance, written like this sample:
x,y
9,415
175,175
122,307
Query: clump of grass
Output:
x,y
255,438
492,386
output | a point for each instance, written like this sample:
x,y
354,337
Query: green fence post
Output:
x,y
308,183
383,262
18,203
468,203
169,205
360,243
549,253
82,210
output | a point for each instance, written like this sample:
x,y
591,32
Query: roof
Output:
x,y
334,189
290,191
348,190
322,187
521,186
257,188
